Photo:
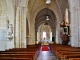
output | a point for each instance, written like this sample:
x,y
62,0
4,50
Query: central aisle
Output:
x,y
46,55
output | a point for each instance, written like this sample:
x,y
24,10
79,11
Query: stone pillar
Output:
x,y
75,22
74,27
58,40
18,27
32,33
21,27
79,25
23,41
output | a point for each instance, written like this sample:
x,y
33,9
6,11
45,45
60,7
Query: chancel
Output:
x,y
25,23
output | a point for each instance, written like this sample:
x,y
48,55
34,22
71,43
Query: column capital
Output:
x,y
19,8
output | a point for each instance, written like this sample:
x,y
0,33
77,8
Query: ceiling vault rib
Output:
x,y
59,9
33,6
39,7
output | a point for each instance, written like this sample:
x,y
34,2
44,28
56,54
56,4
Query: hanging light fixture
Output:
x,y
47,17
48,1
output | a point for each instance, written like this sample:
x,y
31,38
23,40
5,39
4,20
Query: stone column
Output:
x,y
74,27
75,22
23,29
79,25
58,40
32,33
59,18
18,27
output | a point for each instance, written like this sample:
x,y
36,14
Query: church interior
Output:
x,y
39,30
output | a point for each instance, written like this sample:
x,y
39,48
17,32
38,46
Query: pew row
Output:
x,y
74,58
64,52
30,53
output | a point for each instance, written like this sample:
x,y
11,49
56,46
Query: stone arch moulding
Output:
x,y
39,9
37,26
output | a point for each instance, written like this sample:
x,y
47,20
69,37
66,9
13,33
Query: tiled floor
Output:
x,y
46,55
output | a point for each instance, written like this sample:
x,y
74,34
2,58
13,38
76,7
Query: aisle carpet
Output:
x,y
45,48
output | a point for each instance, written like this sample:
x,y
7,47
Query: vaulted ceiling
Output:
x,y
57,5
55,8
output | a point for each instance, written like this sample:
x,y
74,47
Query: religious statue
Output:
x,y
9,31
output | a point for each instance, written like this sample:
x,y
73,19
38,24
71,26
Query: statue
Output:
x,y
9,31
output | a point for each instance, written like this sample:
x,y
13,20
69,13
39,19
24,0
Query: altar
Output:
x,y
45,42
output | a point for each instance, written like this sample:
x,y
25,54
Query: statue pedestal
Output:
x,y
10,37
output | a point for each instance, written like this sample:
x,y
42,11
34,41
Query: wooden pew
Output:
x,y
74,58
67,56
26,52
65,52
10,54
17,53
22,49
7,58
29,47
